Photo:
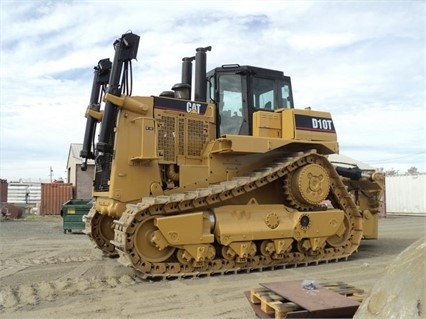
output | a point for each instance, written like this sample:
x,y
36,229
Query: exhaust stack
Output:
x,y
200,74
187,70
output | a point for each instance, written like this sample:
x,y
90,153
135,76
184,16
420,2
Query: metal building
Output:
x,y
82,181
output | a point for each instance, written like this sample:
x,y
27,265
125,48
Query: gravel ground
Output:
x,y
45,273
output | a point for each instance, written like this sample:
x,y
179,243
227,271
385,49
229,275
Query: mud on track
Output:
x,y
45,273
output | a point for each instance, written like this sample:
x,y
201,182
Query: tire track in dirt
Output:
x,y
46,261
14,265
13,298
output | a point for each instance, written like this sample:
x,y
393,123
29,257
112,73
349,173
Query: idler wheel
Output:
x,y
102,232
144,246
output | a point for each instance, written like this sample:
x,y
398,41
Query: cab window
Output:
x,y
263,93
270,94
284,96
231,101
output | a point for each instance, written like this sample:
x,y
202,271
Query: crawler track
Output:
x,y
212,196
99,229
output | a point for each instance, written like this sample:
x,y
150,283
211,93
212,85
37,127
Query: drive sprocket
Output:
x,y
307,187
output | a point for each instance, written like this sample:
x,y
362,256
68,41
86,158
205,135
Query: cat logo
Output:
x,y
193,107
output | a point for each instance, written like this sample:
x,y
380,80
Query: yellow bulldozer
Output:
x,y
233,179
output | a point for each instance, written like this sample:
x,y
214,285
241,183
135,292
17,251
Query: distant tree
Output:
x,y
412,171
391,172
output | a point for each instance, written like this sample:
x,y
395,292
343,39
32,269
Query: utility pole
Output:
x,y
51,174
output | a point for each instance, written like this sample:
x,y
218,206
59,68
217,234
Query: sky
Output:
x,y
362,61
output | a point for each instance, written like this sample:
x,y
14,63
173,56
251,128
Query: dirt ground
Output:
x,y
45,273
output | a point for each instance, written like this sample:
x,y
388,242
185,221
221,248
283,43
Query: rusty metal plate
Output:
x,y
316,301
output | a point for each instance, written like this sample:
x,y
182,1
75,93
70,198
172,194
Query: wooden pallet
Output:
x,y
271,303
267,303
344,289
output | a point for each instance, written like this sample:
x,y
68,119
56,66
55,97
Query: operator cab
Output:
x,y
239,91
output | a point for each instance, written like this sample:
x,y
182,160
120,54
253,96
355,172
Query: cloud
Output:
x,y
362,61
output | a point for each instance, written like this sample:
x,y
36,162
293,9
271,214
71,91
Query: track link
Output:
x,y
214,195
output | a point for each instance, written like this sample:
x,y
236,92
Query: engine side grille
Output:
x,y
180,136
181,140
167,137
197,136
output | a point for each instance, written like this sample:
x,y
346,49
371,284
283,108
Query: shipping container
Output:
x,y
405,195
81,180
24,193
3,190
53,197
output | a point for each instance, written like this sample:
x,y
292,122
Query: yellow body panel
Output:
x,y
307,125
272,221
267,124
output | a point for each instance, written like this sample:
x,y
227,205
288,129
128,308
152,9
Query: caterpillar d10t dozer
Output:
x,y
234,179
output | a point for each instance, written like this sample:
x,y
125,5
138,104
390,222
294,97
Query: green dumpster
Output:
x,y
72,214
